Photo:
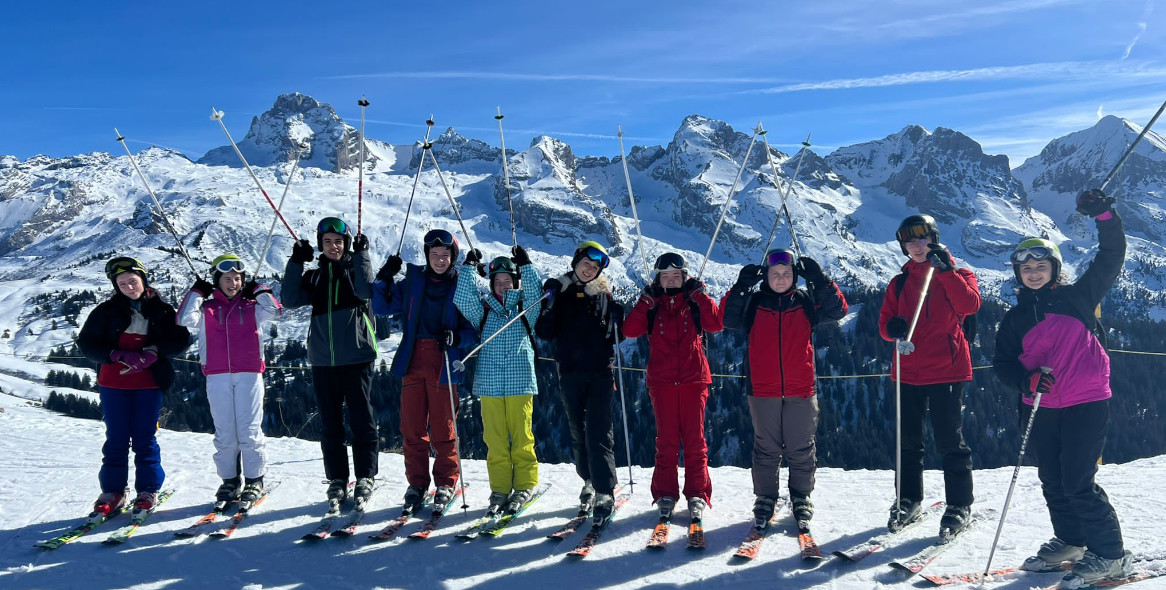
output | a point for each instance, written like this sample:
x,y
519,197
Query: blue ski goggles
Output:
x,y
229,265
439,237
1033,253
783,257
597,256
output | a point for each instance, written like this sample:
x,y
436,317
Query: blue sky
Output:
x,y
1011,74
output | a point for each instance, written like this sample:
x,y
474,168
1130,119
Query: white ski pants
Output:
x,y
236,401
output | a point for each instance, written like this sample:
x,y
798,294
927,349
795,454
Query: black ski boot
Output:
x,y
903,514
954,520
229,491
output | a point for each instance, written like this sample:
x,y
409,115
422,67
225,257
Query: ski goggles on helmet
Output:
x,y
1032,253
502,264
230,264
439,237
597,256
783,257
332,225
913,232
671,261
123,264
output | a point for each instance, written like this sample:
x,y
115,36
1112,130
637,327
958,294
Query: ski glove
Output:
x,y
390,269
134,361
360,243
1094,203
473,257
303,252
1038,381
750,275
448,339
905,347
897,328
519,256
811,271
253,289
551,289
940,258
202,287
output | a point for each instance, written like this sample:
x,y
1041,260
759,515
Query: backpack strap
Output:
x,y
525,322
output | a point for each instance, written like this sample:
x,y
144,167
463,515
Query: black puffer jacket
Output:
x,y
106,323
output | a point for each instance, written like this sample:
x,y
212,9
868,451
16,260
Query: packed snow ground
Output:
x,y
48,479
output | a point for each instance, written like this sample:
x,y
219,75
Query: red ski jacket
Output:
x,y
942,354
675,353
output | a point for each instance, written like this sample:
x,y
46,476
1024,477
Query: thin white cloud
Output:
x,y
79,109
1043,71
534,132
1100,111
518,77
1130,47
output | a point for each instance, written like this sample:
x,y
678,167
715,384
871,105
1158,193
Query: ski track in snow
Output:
x,y
55,457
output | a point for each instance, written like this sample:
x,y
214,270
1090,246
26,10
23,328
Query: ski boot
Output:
x,y
604,506
145,500
441,497
229,491
696,508
363,491
110,502
337,491
955,520
803,509
252,491
1051,555
517,499
497,503
587,497
903,514
666,505
763,509
1092,568
414,496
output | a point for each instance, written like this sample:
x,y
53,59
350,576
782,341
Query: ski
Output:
x,y
878,542
324,528
583,549
751,546
241,514
395,525
696,536
94,520
576,521
1010,573
807,545
137,519
435,516
199,525
659,538
495,529
355,516
915,564
476,527
1137,576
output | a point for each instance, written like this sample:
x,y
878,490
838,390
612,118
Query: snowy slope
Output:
x,y
851,506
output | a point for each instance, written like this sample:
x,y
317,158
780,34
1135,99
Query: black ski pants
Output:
x,y
587,398
945,401
1067,443
335,386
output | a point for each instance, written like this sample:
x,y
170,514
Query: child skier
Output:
x,y
779,319
582,319
673,312
227,313
341,348
433,331
504,378
132,336
936,364
1052,343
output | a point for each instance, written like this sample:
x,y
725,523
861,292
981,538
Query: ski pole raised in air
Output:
x,y
506,176
784,193
425,146
728,199
1130,150
270,231
623,157
452,203
217,115
360,178
181,247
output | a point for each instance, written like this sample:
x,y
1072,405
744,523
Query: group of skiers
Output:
x,y
1049,347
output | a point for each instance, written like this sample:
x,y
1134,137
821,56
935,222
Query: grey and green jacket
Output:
x,y
341,331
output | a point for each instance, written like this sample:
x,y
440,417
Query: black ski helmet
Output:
x,y
915,227
333,225
440,237
504,264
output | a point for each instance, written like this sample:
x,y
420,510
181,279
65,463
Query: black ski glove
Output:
x,y
940,258
897,328
750,275
1037,381
811,271
248,291
448,339
359,243
303,252
390,269
202,287
473,258
519,256
1094,203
